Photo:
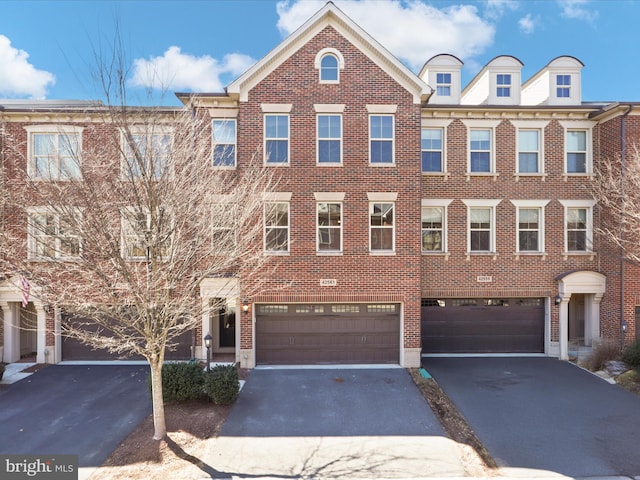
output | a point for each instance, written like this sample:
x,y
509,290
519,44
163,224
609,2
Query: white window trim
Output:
x,y
504,85
225,201
31,237
393,139
482,125
488,203
235,144
578,126
318,60
588,204
125,212
444,84
264,227
148,132
540,205
443,124
530,125
264,140
330,252
318,139
444,204
392,228
51,129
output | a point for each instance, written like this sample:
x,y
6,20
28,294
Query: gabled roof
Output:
x,y
330,15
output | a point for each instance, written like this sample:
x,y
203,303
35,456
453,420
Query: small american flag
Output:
x,y
26,286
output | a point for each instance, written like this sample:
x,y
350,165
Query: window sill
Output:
x,y
224,167
543,255
329,254
277,164
493,176
382,164
446,255
329,164
566,255
494,255
567,176
541,176
445,175
277,254
383,253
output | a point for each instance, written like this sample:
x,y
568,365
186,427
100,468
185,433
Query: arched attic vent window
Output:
x,y
329,62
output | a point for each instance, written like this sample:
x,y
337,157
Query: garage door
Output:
x,y
74,350
326,334
483,325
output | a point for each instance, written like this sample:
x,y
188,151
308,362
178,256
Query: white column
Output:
x,y
201,351
11,334
564,327
593,330
41,334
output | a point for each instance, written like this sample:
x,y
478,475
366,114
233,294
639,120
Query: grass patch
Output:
x,y
630,380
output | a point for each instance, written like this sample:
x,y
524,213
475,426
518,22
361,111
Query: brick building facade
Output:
x,y
412,216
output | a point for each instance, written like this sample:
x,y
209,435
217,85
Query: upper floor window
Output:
x,y
224,143
529,151
329,71
433,229
276,139
382,227
481,225
381,139
329,218
578,230
146,235
480,151
53,235
431,149
54,152
576,147
223,226
530,225
146,155
503,82
563,86
276,227
329,139
443,84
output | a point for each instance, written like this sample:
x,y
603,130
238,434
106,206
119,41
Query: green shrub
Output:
x,y
631,355
181,382
222,385
602,352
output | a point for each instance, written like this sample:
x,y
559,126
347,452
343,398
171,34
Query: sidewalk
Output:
x,y
14,372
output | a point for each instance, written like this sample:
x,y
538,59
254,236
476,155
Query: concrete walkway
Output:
x,y
332,424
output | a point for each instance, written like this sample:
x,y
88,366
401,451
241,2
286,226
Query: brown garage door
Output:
x,y
326,334
74,350
483,325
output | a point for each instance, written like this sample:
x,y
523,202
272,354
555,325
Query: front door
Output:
x,y
226,326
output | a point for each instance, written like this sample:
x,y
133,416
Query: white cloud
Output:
x,y
496,8
175,70
425,30
575,9
19,78
527,24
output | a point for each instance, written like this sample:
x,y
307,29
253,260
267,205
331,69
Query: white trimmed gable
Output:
x,y
330,15
437,66
498,83
558,83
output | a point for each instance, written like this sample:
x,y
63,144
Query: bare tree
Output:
x,y
617,190
117,220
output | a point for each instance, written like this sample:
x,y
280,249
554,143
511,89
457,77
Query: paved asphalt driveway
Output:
x,y
332,423
73,409
544,414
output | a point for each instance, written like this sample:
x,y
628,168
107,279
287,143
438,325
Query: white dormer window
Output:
x,y
443,84
563,86
503,83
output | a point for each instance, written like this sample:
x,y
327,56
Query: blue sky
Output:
x,y
47,47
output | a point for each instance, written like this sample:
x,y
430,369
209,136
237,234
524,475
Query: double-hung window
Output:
x,y
382,227
432,149
146,155
329,227
381,139
576,146
481,225
223,226
443,84
563,86
530,225
529,151
329,139
224,142
503,85
480,150
54,235
276,227
578,229
54,152
146,235
276,139
434,225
